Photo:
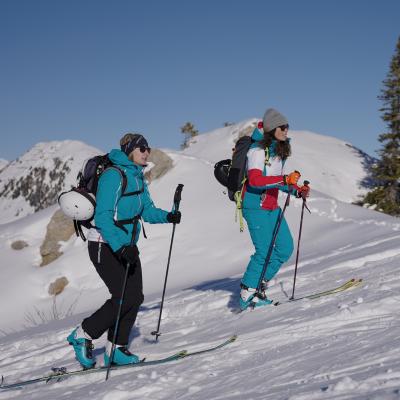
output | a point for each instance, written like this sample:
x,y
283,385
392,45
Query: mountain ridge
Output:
x,y
33,181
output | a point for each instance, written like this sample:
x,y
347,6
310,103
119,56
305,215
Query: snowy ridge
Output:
x,y
3,163
338,347
34,181
333,166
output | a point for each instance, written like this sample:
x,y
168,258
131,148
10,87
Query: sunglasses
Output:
x,y
284,127
143,149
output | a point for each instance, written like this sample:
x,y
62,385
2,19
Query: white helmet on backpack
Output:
x,y
77,204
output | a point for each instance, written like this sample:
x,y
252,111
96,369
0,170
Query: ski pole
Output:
x,y
177,200
272,244
118,318
306,183
121,300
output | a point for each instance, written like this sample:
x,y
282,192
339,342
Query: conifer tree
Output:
x,y
189,131
385,196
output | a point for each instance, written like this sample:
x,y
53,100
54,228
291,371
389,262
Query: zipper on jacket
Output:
x,y
99,252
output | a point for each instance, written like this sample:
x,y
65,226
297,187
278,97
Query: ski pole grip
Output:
x,y
306,183
177,197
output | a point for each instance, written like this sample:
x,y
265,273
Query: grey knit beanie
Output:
x,y
272,119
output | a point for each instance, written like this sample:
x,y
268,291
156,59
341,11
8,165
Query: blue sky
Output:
x,y
94,70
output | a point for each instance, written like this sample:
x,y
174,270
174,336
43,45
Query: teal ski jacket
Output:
x,y
112,207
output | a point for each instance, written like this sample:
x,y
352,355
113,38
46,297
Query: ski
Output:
x,y
352,283
59,374
209,349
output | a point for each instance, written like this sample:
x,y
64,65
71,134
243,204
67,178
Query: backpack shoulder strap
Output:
x,y
123,176
266,155
125,183
137,192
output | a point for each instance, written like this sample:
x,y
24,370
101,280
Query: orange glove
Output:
x,y
303,191
292,178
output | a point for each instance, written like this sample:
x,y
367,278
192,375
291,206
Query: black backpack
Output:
x,y
86,190
88,177
231,173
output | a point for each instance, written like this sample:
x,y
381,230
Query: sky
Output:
x,y
94,70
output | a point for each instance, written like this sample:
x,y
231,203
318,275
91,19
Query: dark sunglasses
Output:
x,y
143,149
283,127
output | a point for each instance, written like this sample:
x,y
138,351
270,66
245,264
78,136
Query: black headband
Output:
x,y
137,141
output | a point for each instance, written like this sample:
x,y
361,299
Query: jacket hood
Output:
x,y
257,135
119,158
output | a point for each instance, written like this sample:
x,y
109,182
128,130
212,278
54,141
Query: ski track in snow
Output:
x,y
346,328
333,215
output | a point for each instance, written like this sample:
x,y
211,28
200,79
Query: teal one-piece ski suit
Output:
x,y
261,211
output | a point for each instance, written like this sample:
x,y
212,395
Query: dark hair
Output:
x,y
282,149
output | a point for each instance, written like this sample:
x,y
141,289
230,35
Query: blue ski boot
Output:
x,y
122,356
83,349
261,299
249,297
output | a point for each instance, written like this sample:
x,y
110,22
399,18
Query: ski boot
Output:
x,y
249,297
83,349
122,356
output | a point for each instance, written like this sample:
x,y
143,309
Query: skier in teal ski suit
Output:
x,y
265,177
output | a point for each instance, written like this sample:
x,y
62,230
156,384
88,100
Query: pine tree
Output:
x,y
189,131
385,196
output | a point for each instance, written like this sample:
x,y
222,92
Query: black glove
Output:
x,y
174,217
129,254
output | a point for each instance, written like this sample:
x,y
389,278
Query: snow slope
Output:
x,y
3,163
339,347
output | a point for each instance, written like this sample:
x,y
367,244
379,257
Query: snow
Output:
x,y
344,346
3,163
70,153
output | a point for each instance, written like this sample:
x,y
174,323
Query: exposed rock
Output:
x,y
19,245
58,286
60,228
41,186
162,164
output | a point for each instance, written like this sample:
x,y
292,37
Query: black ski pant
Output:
x,y
112,271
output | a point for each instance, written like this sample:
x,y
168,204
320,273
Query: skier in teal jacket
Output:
x,y
265,178
112,244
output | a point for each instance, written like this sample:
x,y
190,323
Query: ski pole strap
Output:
x,y
238,211
238,200
78,230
